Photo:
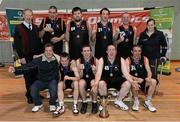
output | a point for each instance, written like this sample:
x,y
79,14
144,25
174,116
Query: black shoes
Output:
x,y
84,108
29,100
94,108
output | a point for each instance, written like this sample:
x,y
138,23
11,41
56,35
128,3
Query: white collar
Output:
x,y
44,58
27,24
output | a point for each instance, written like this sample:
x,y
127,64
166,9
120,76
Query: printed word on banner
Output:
x,y
138,20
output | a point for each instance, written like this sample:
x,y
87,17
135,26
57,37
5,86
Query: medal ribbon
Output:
x,y
111,66
65,70
87,66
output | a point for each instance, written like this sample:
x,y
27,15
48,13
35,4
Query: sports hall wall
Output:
x,y
5,47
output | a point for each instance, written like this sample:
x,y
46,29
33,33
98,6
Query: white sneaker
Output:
x,y
75,109
114,93
37,108
135,106
59,111
52,108
150,106
120,104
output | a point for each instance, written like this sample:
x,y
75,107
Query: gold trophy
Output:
x,y
104,112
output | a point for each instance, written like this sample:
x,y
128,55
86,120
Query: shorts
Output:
x,y
68,84
114,82
143,87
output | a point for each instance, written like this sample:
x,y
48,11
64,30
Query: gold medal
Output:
x,y
105,37
52,33
78,36
111,74
87,76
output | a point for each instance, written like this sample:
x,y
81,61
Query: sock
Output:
x,y
61,103
94,101
149,98
136,99
84,101
75,102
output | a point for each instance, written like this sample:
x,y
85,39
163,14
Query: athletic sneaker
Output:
x,y
150,106
37,108
135,106
114,93
59,111
75,109
84,106
120,104
94,108
52,108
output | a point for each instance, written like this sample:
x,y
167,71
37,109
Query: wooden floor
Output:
x,y
13,104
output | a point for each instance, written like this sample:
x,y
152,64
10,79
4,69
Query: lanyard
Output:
x,y
104,31
111,66
65,70
54,24
87,66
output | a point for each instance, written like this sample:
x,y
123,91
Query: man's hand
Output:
x,y
11,69
55,39
93,68
148,79
117,31
121,38
66,78
95,88
23,61
135,85
47,29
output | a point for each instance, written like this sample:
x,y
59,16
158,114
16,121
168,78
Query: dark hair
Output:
x,y
76,9
27,9
104,9
136,46
151,19
65,55
53,7
48,45
109,45
86,45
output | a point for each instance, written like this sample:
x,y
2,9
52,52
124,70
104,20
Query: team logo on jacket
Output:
x,y
99,29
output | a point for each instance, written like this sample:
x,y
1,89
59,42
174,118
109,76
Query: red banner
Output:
x,y
138,19
4,33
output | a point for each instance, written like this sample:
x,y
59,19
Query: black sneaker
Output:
x,y
83,108
94,108
30,100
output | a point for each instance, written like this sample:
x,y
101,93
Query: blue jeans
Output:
x,y
38,85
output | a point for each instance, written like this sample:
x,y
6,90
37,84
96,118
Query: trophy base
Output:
x,y
103,115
